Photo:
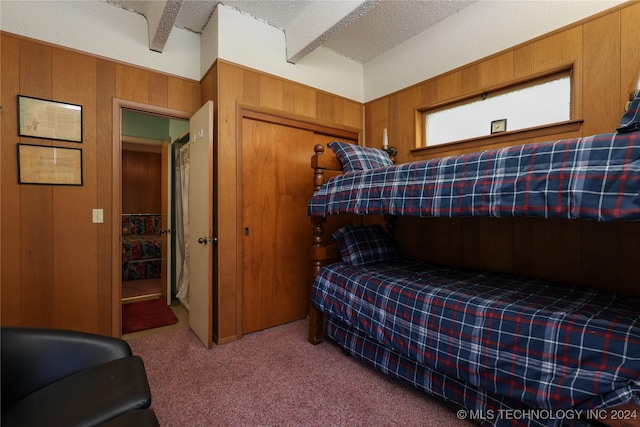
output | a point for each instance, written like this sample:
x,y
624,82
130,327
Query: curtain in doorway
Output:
x,y
182,220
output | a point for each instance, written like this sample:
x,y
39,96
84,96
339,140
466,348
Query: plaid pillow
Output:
x,y
356,158
631,120
365,244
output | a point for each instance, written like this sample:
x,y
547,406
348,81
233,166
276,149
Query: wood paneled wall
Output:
x,y
141,183
605,53
56,265
232,86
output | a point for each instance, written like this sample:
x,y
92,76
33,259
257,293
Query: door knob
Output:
x,y
207,240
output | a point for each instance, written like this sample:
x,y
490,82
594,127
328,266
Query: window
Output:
x,y
527,105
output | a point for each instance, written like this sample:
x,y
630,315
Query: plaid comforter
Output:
x,y
545,345
596,177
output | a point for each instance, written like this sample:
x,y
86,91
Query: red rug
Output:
x,y
149,314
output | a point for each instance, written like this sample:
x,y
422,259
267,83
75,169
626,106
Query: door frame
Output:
x,y
116,194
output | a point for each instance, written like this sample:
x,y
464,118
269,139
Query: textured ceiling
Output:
x,y
357,29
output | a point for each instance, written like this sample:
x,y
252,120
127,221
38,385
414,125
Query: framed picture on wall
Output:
x,y
41,118
39,164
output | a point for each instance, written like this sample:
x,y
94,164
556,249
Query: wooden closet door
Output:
x,y
276,188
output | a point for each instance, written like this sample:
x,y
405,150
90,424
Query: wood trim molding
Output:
x,y
142,141
297,121
498,138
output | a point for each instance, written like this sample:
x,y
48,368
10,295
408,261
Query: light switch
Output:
x,y
98,216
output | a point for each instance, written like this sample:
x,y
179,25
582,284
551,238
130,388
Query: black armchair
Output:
x,y
66,378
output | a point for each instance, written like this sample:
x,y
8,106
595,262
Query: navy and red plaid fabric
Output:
x,y
596,177
364,244
488,407
354,157
535,342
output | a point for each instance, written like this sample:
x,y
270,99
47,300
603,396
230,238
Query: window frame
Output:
x,y
573,124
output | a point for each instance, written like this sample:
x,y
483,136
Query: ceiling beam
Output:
x,y
161,17
318,22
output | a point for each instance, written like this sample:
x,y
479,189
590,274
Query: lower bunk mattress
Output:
x,y
488,341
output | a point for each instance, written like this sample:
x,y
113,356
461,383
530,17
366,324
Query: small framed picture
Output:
x,y
41,118
39,164
498,126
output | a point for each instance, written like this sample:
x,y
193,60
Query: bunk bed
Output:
x,y
141,246
510,350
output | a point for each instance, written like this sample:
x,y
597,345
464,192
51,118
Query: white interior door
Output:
x,y
201,240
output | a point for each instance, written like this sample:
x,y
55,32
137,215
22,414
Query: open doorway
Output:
x,y
201,242
151,259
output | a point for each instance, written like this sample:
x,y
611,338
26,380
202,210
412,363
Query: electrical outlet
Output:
x,y
98,216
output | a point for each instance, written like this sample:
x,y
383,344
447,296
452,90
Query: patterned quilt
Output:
x,y
141,246
596,177
538,343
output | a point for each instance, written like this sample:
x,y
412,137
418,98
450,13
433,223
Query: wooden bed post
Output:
x,y
316,317
635,86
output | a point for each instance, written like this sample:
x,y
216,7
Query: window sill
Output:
x,y
468,145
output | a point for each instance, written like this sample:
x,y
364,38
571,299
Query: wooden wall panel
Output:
x,y
488,242
374,128
252,89
141,172
305,101
629,232
271,93
557,49
602,84
429,89
523,61
56,263
605,54
10,207
74,233
107,320
496,71
401,129
159,89
289,97
629,48
132,83
349,113
230,85
35,69
471,77
36,202
327,107
449,86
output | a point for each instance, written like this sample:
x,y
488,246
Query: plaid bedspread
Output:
x,y
596,177
542,344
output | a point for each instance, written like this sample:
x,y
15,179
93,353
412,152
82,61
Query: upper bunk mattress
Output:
x,y
595,177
